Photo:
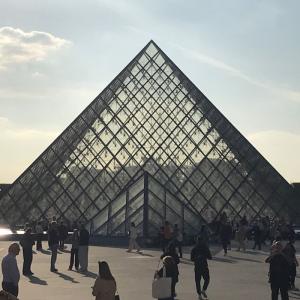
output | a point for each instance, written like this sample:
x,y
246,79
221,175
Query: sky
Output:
x,y
57,56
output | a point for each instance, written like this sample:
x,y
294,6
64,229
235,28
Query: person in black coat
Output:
x,y
225,235
63,234
53,240
27,241
199,255
257,234
290,252
171,270
279,272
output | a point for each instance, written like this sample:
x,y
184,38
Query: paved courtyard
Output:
x,y
237,276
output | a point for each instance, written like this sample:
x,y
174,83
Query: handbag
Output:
x,y
161,287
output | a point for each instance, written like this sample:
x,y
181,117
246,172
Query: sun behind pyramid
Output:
x,y
151,147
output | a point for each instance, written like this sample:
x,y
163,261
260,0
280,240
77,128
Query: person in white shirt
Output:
x,y
132,239
10,270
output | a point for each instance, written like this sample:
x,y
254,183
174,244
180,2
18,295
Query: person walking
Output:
x,y
199,255
53,241
178,239
105,286
225,235
39,236
10,270
83,250
170,269
27,242
74,250
279,272
133,244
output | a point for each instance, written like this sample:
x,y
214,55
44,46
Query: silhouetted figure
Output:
x,y
53,240
133,234
167,235
171,251
105,285
10,270
257,236
39,236
63,234
199,255
225,235
178,239
74,250
83,251
27,241
290,252
278,272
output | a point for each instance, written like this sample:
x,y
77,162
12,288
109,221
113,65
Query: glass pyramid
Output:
x,y
151,147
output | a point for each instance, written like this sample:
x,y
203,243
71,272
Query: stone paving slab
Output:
x,y
236,276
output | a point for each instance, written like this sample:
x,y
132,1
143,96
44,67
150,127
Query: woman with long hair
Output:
x,y
105,285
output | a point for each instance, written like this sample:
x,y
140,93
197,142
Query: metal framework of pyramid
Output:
x,y
151,147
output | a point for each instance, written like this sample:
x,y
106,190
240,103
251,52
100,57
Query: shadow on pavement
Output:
x,y
245,259
223,259
46,252
36,280
90,274
66,277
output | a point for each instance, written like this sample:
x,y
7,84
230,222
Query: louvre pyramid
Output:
x,y
151,147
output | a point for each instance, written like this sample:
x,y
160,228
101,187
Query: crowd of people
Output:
x,y
282,258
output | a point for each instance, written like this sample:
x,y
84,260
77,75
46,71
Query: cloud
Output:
x,y
17,46
283,93
281,149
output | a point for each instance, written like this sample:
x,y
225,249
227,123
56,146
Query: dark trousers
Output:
x,y
10,288
293,272
224,245
74,255
201,273
283,292
53,255
39,245
61,243
257,242
27,260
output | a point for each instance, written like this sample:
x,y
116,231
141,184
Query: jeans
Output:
x,y
53,255
204,273
10,288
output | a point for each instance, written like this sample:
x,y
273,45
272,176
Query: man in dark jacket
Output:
x,y
83,251
199,255
53,240
279,272
27,241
